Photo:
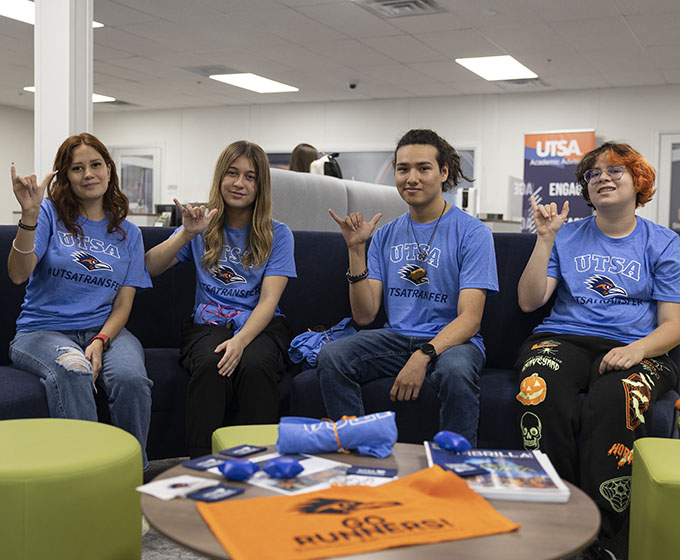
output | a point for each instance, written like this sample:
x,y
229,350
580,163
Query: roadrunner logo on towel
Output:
x,y
341,507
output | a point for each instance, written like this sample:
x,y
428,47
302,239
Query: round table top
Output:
x,y
547,530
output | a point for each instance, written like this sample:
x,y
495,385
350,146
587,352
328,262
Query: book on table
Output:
x,y
513,474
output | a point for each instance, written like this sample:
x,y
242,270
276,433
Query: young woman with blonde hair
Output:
x,y
235,345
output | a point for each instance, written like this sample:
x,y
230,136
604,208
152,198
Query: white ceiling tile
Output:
x,y
631,58
430,23
489,14
115,13
629,79
655,30
287,23
477,87
172,10
672,76
561,10
460,44
351,53
351,20
403,48
595,33
577,81
128,42
632,7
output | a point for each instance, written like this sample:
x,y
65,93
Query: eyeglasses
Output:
x,y
615,172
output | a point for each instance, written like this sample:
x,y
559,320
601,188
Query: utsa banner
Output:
x,y
429,506
550,160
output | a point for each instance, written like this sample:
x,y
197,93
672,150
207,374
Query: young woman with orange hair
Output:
x,y
615,317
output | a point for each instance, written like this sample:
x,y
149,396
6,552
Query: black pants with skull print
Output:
x,y
586,422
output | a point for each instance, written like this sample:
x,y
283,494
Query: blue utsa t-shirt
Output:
x,y
610,287
76,279
229,292
461,256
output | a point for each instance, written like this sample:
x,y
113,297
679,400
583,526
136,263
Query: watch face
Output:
x,y
429,350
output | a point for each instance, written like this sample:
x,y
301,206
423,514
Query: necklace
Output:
x,y
423,254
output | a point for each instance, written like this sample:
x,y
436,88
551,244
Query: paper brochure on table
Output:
x,y
513,474
318,473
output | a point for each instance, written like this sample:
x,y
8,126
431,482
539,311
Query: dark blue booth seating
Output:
x,y
317,297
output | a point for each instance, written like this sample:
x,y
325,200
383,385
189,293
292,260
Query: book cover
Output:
x,y
513,474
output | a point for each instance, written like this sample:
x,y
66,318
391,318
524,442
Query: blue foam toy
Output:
x,y
283,467
451,441
238,469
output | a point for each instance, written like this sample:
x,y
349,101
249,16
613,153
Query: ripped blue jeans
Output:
x,y
58,357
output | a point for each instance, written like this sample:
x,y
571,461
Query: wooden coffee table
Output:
x,y
548,530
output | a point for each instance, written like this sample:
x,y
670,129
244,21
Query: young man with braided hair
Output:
x,y
432,267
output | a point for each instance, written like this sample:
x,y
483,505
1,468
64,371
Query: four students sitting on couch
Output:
x,y
616,315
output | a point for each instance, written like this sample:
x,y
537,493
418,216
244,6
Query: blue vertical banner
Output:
x,y
550,160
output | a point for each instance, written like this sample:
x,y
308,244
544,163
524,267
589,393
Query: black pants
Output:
x,y
589,441
252,388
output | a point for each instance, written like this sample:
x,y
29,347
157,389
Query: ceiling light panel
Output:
x,y
253,82
493,68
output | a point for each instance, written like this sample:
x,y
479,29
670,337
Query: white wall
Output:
x,y
16,145
193,138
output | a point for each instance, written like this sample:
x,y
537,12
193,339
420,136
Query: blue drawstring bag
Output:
x,y
306,346
373,435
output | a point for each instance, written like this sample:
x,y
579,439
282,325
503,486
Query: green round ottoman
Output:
x,y
252,434
654,500
67,491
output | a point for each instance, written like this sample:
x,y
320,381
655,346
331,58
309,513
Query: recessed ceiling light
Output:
x,y
495,68
96,97
253,82
23,10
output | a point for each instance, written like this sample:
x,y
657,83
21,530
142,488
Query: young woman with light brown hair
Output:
x,y
235,346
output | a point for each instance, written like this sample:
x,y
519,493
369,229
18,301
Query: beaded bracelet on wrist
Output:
x,y
22,225
353,278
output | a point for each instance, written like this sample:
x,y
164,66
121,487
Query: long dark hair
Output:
x,y
446,154
115,202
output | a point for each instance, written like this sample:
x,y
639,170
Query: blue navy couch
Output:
x,y
318,297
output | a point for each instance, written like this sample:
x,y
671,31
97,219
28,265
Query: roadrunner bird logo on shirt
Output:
x,y
414,274
226,275
604,286
89,262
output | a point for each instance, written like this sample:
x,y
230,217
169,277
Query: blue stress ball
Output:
x,y
451,441
283,467
238,469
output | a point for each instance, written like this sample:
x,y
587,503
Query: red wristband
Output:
x,y
106,341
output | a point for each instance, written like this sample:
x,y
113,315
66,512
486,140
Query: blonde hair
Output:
x,y
261,234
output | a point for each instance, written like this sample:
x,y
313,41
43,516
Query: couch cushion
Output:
x,y
22,395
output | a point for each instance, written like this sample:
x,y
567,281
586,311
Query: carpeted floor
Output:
x,y
154,545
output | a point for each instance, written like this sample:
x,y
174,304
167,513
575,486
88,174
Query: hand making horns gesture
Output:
x,y
354,228
546,218
194,219
28,191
